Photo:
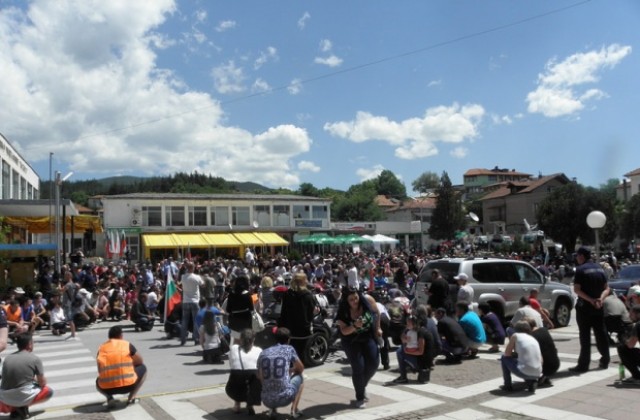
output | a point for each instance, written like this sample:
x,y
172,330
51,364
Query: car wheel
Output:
x,y
562,314
316,350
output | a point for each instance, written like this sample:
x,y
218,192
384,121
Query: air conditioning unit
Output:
x,y
135,222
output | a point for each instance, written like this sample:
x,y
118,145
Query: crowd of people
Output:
x,y
220,297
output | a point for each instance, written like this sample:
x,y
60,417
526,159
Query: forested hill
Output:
x,y
80,191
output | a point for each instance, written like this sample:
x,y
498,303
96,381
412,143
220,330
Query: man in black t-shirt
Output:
x,y
628,353
550,359
454,339
590,285
439,292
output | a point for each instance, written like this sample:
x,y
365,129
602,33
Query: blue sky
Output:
x,y
330,93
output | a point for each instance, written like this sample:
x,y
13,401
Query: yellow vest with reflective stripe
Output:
x,y
115,365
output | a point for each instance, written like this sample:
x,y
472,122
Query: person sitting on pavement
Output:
x,y
524,311
550,359
121,369
493,327
16,324
243,384
472,326
535,304
416,342
465,291
210,339
424,313
627,351
23,380
141,315
616,317
522,357
453,338
29,315
280,372
40,308
102,305
57,317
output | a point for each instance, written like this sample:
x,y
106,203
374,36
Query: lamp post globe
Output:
x,y
596,219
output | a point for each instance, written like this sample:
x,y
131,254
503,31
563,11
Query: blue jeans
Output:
x,y
405,359
189,311
364,358
509,366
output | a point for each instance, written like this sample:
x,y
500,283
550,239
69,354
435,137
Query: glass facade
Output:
x,y
240,216
219,216
197,216
174,216
152,216
281,215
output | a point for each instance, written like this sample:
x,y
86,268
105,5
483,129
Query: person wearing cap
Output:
x,y
465,291
591,287
628,352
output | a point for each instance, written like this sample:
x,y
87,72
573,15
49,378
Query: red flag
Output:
x,y
171,296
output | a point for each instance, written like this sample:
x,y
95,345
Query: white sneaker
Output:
x,y
297,414
361,404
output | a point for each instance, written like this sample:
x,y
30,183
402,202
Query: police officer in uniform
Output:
x,y
590,285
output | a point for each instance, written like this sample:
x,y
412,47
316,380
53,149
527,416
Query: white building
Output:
x,y
159,225
18,181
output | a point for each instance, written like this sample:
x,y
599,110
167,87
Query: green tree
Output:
x,y
447,217
630,220
358,204
308,190
426,182
389,185
562,215
80,197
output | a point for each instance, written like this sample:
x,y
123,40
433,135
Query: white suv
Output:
x,y
500,283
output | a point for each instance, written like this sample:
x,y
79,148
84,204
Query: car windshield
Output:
x,y
630,272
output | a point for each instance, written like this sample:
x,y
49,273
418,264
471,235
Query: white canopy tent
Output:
x,y
379,240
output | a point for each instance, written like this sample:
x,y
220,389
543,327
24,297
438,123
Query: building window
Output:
x,y
319,212
219,216
30,192
23,188
493,178
197,216
152,216
301,212
6,180
133,246
281,216
262,215
240,216
174,216
15,186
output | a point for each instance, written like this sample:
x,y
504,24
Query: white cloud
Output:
x,y
331,61
302,22
459,152
270,54
325,45
295,87
201,15
369,173
305,165
434,83
260,86
225,25
501,119
558,91
102,105
417,137
228,78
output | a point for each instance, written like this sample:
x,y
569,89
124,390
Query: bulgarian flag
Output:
x,y
171,296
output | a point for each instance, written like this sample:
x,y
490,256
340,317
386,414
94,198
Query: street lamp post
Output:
x,y
59,181
596,220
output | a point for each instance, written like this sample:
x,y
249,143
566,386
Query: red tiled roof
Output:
x,y
482,171
635,172
383,201
530,186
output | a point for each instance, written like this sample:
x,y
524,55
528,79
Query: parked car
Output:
x,y
501,283
627,276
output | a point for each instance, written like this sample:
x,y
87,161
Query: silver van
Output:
x,y
500,283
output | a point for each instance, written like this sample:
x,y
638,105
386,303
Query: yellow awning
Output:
x,y
249,239
159,241
271,238
44,224
221,240
191,240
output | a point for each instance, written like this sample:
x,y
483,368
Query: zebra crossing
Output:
x,y
70,369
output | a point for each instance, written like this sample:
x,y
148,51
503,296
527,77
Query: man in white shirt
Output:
x,y
525,311
353,282
528,362
191,283
465,292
